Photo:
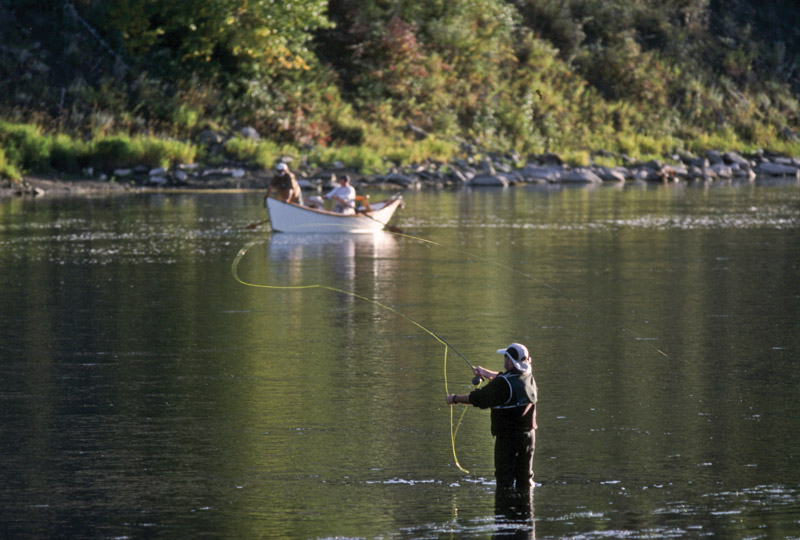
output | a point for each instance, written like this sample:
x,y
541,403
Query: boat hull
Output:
x,y
293,218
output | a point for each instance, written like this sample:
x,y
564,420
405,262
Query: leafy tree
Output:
x,y
215,37
434,63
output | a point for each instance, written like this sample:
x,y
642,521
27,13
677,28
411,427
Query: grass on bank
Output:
x,y
26,148
372,159
7,170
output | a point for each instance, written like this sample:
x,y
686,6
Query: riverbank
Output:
x,y
497,170
37,186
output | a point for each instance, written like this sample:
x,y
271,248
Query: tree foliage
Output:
x,y
534,75
213,37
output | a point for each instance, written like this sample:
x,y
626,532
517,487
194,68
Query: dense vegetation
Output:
x,y
89,80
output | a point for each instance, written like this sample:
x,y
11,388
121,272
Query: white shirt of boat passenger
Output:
x,y
345,196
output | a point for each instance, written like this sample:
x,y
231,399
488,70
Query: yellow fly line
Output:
x,y
453,429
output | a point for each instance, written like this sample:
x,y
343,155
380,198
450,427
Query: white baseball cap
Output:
x,y
518,354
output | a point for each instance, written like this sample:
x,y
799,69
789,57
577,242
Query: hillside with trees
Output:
x,y
372,82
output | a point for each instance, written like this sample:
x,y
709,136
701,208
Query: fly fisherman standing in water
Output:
x,y
512,397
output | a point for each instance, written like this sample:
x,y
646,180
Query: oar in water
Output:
x,y
256,224
365,200
391,228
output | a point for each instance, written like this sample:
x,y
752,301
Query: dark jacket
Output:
x,y
512,398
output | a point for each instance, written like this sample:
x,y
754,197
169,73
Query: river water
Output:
x,y
146,393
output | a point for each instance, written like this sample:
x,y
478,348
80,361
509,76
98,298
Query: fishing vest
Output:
x,y
516,414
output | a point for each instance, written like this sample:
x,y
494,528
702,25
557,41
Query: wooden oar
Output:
x,y
365,201
254,225
390,228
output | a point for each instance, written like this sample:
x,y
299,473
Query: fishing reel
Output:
x,y
476,380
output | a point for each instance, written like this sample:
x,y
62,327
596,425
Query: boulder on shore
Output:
x,y
535,172
770,168
488,180
579,176
610,175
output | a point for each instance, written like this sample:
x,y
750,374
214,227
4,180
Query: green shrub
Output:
x,y
67,154
609,161
262,153
433,148
724,139
111,152
267,153
157,152
25,146
241,148
7,170
184,118
359,158
345,128
405,152
577,158
118,151
643,146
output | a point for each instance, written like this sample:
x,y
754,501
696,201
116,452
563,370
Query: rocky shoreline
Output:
x,y
495,170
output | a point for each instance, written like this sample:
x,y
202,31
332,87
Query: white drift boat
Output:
x,y
293,218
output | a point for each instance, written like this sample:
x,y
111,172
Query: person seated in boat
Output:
x,y
316,202
285,182
345,196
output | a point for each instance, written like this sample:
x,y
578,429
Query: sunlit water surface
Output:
x,y
147,393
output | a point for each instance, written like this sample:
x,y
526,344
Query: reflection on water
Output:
x,y
343,253
514,515
380,242
144,393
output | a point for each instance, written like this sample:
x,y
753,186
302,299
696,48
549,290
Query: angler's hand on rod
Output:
x,y
484,373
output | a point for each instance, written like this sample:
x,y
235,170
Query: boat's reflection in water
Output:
x,y
332,259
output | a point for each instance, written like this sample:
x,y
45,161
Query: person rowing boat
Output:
x,y
285,182
344,195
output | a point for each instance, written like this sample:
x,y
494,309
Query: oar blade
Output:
x,y
254,225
